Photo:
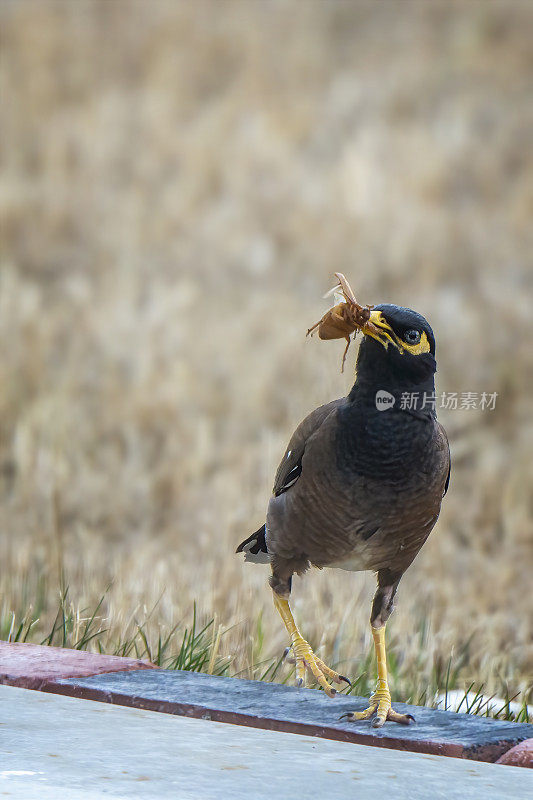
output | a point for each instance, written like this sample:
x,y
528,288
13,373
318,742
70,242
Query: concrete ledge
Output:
x,y
306,711
139,684
33,666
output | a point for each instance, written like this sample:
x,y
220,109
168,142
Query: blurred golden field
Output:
x,y
179,182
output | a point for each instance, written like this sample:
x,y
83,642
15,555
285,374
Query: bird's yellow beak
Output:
x,y
380,330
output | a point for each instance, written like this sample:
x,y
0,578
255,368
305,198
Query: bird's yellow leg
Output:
x,y
304,658
380,702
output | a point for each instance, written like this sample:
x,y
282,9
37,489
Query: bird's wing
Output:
x,y
290,467
446,447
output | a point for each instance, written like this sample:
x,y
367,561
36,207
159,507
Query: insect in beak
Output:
x,y
346,317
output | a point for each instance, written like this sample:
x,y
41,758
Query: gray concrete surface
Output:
x,y
62,747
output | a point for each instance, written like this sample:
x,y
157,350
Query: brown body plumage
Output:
x,y
373,517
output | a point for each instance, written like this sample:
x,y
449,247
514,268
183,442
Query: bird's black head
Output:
x,y
398,350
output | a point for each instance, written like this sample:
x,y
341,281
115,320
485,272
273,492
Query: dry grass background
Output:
x,y
179,182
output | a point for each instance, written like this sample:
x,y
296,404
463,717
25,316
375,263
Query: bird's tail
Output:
x,y
254,547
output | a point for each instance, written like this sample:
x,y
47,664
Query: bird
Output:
x,y
360,488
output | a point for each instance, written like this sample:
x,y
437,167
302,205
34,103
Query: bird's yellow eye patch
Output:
x,y
416,349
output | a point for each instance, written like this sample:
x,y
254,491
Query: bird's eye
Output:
x,y
412,336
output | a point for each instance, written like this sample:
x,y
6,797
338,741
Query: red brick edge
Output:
x,y
33,666
521,755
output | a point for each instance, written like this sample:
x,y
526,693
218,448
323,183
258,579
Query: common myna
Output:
x,y
360,486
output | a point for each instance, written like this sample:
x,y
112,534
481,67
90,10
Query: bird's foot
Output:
x,y
306,661
380,705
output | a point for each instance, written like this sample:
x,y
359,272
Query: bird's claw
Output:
x,y
380,705
306,661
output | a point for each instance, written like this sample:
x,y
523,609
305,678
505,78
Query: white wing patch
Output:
x,y
255,558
